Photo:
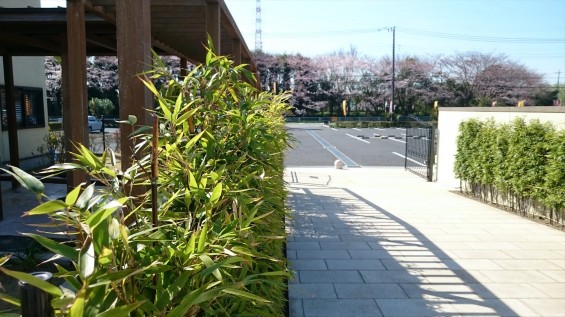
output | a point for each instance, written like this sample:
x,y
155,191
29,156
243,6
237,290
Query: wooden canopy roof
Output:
x,y
128,29
178,27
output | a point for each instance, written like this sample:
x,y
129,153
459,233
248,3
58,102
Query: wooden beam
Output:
x,y
133,30
100,11
104,42
74,86
30,41
171,51
10,89
213,24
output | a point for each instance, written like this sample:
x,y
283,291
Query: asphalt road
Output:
x,y
318,145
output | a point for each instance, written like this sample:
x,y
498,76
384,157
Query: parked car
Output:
x,y
94,124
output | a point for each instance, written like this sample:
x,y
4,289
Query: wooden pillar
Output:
x,y
183,68
213,24
237,51
75,107
11,114
133,31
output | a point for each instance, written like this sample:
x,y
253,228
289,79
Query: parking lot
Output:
x,y
319,145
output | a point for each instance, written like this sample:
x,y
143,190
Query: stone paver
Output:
x,y
383,242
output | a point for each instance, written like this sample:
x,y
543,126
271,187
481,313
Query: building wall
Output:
x,y
28,72
450,118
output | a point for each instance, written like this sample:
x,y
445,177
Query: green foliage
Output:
x,y
53,147
555,171
100,107
522,160
215,161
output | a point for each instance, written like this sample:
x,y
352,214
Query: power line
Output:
x,y
442,35
477,38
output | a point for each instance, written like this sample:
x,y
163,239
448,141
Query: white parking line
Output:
x,y
411,160
380,129
393,139
349,135
357,129
332,149
334,129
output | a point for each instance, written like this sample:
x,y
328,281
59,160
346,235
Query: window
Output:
x,y
29,107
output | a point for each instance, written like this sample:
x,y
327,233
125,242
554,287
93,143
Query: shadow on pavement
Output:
x,y
353,258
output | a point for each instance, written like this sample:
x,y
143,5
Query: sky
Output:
x,y
531,32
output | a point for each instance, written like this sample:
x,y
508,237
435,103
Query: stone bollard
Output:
x,y
338,164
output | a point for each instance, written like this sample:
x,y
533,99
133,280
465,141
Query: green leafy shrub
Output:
x,y
196,226
100,107
521,161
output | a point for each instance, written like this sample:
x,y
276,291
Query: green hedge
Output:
x,y
520,164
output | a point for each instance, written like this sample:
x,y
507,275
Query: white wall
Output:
x,y
450,118
20,3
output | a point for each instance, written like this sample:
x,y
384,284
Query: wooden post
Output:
x,y
75,106
213,24
183,68
237,51
11,114
133,31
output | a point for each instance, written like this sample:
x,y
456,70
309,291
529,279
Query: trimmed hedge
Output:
x,y
520,165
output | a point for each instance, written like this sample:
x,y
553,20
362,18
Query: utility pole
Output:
x,y
258,37
560,102
393,66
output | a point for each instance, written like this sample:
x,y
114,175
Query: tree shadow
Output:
x,y
353,258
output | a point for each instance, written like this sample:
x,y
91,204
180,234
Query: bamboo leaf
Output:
x,y
202,238
54,246
87,158
210,263
77,310
105,257
71,280
216,193
10,300
192,181
64,167
172,290
191,244
176,110
47,207
193,140
35,281
191,299
244,294
4,259
104,212
26,180
73,195
162,102
120,310
114,229
84,198
213,267
86,259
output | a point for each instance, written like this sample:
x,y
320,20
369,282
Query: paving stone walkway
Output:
x,y
383,242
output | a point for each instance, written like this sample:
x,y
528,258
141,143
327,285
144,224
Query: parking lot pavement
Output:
x,y
319,145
